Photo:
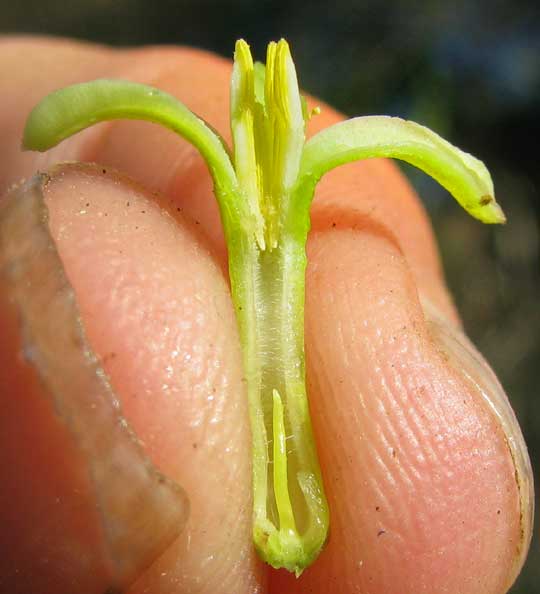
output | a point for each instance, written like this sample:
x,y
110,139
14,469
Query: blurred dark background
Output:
x,y
469,70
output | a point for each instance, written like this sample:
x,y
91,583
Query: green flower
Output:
x,y
264,187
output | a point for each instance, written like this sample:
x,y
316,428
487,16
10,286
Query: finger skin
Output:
x,y
159,313
104,513
415,440
417,470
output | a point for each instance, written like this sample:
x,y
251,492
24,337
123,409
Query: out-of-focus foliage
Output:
x,y
469,70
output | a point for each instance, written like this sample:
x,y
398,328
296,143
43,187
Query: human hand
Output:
x,y
416,462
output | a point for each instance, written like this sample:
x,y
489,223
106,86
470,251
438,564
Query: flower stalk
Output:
x,y
264,187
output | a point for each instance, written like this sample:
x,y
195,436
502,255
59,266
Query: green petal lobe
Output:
x,y
464,176
72,109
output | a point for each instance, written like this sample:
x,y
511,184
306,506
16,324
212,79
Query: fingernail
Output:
x,y
140,510
466,359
